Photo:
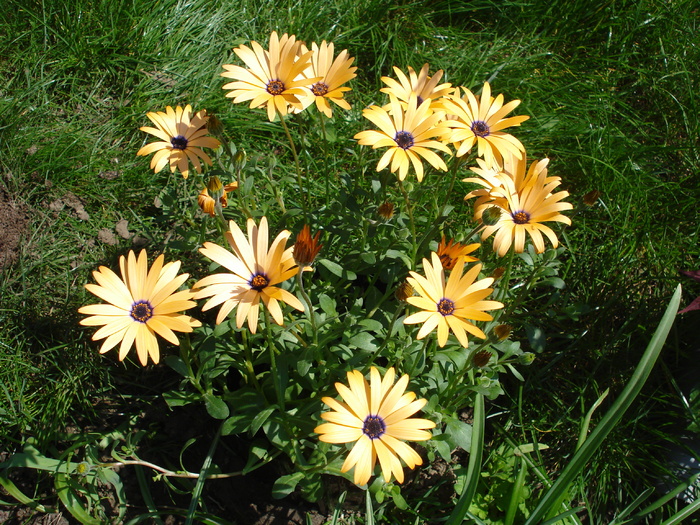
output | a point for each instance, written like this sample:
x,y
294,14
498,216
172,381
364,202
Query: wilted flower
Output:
x,y
386,210
213,194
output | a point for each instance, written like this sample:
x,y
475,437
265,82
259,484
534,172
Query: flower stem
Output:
x,y
273,362
298,166
309,304
409,211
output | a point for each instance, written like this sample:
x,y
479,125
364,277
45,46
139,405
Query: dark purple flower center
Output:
x,y
319,89
521,217
480,128
141,311
404,139
275,87
374,427
178,142
446,306
259,281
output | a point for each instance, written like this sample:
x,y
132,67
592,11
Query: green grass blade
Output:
x,y
681,487
199,486
474,468
517,491
611,418
687,512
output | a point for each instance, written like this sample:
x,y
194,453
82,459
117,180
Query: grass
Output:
x,y
612,94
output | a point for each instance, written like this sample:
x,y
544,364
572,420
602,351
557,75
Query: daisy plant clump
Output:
x,y
141,304
404,285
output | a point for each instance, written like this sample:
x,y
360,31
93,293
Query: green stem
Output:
x,y
273,362
185,355
252,379
309,304
298,166
409,211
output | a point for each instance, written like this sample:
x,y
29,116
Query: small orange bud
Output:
x,y
306,248
386,210
450,252
403,291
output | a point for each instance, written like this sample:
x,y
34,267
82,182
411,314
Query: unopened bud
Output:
x,y
214,125
386,210
481,358
590,198
491,215
404,291
526,359
502,331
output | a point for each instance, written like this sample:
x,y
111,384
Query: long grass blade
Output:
x,y
474,468
547,504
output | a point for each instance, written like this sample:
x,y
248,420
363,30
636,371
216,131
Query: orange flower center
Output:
x,y
374,427
275,87
446,306
319,89
259,281
480,128
521,217
178,142
141,311
404,139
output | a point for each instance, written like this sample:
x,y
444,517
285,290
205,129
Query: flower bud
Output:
x,y
590,198
481,358
491,215
502,331
214,125
386,210
306,248
403,291
526,359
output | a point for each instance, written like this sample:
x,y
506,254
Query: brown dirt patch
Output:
x,y
14,217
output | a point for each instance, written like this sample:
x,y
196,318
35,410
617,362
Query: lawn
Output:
x,y
550,381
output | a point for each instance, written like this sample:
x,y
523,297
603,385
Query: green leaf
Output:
x,y
363,341
458,433
176,398
285,485
337,270
327,305
65,490
474,469
176,363
216,407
